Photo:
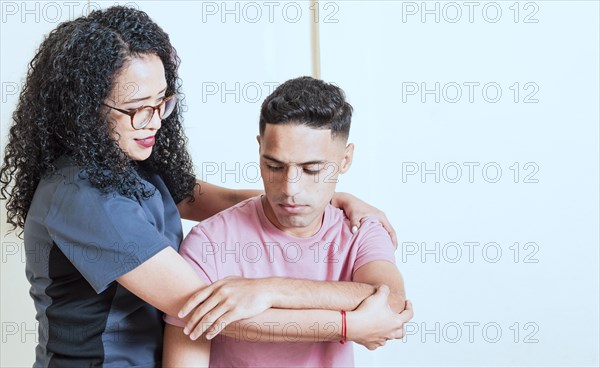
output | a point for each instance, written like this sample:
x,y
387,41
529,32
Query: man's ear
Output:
x,y
259,141
347,160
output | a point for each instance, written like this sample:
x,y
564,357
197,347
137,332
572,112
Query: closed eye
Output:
x,y
274,168
312,172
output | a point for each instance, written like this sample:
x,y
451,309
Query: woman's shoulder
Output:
x,y
69,180
68,174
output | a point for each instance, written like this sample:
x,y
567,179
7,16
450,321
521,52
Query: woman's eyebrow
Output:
x,y
144,98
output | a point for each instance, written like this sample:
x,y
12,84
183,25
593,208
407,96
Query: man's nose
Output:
x,y
292,181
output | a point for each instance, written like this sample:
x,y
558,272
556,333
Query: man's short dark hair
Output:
x,y
310,102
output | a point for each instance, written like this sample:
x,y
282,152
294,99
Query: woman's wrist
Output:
x,y
339,199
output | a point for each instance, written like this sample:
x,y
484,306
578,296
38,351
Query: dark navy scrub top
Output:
x,y
77,242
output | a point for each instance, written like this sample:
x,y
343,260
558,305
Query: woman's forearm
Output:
x,y
209,199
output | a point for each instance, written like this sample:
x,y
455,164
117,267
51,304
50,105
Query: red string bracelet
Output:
x,y
343,341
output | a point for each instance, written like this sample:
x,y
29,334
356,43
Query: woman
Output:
x,y
97,175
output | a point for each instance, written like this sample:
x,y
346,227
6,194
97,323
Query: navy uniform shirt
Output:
x,y
77,242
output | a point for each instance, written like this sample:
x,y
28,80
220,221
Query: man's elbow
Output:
x,y
397,301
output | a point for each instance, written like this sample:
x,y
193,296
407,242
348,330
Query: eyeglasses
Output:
x,y
141,116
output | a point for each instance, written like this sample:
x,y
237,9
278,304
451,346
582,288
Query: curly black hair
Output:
x,y
60,112
308,101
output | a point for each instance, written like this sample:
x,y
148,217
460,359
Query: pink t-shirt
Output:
x,y
241,241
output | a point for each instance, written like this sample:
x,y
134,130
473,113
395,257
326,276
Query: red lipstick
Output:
x,y
146,142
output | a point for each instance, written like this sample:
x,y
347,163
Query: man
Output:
x,y
291,249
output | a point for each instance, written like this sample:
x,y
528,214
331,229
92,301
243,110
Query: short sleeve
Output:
x,y
374,244
103,235
200,253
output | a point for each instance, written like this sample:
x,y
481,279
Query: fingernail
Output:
x,y
208,337
180,314
354,229
193,336
186,331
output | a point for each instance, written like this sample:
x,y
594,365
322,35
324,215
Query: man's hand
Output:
x,y
225,301
373,322
356,210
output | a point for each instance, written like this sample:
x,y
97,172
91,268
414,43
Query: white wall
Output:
x,y
528,293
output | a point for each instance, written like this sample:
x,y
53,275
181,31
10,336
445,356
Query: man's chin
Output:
x,y
293,221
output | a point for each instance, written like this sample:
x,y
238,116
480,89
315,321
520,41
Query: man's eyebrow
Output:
x,y
313,162
144,98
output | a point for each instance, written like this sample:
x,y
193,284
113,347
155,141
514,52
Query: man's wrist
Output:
x,y
352,326
275,290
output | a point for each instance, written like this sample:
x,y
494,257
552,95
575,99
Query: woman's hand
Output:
x,y
223,302
356,210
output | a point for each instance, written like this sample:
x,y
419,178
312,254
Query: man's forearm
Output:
x,y
303,311
371,324
291,293
285,325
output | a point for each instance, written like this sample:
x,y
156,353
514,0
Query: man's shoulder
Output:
x,y
228,226
370,226
337,216
243,213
